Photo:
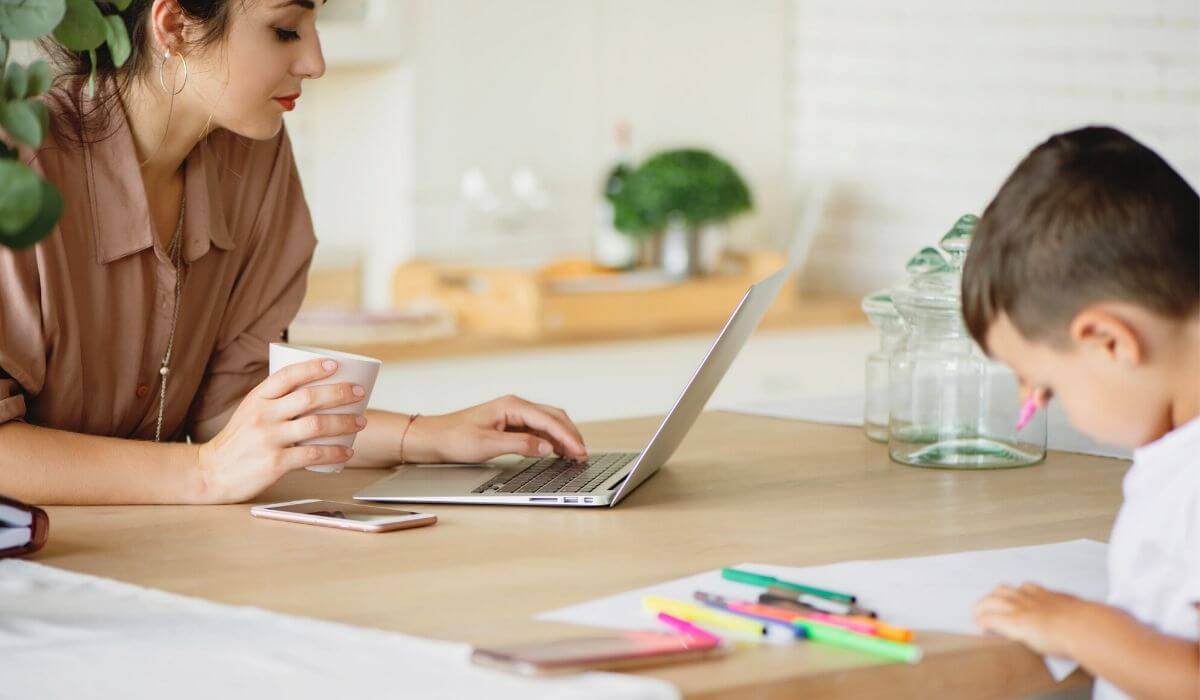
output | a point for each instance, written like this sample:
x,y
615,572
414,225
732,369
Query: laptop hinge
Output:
x,y
614,482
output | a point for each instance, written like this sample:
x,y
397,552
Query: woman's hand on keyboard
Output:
x,y
508,425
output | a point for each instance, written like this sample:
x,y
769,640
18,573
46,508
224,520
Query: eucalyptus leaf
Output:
x,y
82,27
42,223
118,40
30,19
20,196
16,82
40,78
122,5
22,122
43,114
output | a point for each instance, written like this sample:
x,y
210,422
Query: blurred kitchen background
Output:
x,y
456,155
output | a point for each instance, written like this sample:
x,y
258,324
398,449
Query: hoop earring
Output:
x,y
162,79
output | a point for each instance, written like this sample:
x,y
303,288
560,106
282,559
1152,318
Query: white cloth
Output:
x,y
1154,550
67,635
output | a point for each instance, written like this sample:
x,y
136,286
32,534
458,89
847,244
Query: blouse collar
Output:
x,y
120,212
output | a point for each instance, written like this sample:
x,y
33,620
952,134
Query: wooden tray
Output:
x,y
532,305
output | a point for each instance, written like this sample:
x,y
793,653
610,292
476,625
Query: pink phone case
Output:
x,y
621,650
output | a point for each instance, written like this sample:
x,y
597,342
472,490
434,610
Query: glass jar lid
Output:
x,y
933,283
878,304
958,239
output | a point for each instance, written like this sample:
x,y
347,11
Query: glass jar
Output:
x,y
950,406
882,313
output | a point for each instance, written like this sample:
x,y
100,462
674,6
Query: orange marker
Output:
x,y
882,629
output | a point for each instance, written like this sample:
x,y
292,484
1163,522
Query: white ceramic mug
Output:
x,y
352,369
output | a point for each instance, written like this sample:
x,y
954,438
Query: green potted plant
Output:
x,y
29,205
673,198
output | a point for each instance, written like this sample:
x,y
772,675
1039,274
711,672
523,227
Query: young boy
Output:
x,y
1084,277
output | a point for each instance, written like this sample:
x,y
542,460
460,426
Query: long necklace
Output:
x,y
175,253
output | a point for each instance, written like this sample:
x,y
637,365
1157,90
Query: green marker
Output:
x,y
731,574
883,648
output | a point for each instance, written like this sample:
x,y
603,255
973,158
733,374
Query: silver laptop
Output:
x,y
606,477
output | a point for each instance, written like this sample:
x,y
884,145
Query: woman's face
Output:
x,y
248,80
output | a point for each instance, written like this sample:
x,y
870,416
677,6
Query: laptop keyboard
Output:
x,y
558,475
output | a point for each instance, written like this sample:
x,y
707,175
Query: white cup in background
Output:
x,y
352,369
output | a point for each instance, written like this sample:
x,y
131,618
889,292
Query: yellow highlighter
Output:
x,y
705,616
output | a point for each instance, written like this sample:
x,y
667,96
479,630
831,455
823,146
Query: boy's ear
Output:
x,y
1103,330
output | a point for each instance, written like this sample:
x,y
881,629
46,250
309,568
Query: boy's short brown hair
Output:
x,y
1088,216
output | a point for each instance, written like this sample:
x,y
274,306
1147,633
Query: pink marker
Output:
x,y
1027,412
687,628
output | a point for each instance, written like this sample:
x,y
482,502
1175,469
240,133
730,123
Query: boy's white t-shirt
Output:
x,y
1154,551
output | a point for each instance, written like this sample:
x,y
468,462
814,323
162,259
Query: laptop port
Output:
x,y
536,499
570,500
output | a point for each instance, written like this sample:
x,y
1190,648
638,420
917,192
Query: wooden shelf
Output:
x,y
811,313
506,310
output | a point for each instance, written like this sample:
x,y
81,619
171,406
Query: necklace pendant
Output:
x,y
164,371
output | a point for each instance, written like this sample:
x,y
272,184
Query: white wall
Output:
x,y
917,111
353,139
914,112
542,83
539,84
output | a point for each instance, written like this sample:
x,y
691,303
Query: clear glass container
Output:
x,y
950,406
882,313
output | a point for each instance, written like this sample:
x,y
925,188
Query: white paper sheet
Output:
x,y
847,409
922,593
66,635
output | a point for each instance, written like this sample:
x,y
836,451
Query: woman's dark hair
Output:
x,y
90,119
1089,216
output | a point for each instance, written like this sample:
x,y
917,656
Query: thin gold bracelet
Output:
x,y
412,419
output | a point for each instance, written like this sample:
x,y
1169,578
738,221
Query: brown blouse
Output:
x,y
86,313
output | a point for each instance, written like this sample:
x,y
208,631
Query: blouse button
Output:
x,y
142,390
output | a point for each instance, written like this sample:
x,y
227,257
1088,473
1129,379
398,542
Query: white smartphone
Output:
x,y
348,516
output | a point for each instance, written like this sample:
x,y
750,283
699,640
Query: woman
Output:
x,y
181,254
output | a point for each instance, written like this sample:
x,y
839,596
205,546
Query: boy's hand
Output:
x,y
1038,618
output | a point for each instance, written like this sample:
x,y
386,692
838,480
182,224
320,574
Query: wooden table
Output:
x,y
740,489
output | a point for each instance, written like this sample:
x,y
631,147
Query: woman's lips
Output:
x,y
288,102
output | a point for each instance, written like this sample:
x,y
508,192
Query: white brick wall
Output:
x,y
917,110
